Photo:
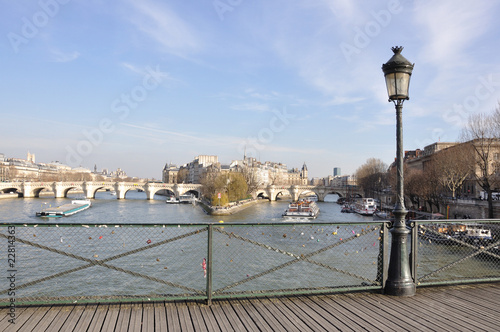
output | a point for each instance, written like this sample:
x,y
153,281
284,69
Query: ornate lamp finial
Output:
x,y
397,49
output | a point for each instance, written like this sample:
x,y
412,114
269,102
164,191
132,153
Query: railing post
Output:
x,y
385,251
414,248
209,265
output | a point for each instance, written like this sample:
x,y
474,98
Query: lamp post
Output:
x,y
397,72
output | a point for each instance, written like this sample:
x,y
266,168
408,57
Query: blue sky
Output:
x,y
137,84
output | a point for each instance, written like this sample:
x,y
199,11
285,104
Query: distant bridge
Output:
x,y
90,188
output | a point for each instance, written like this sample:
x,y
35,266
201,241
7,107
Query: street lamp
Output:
x,y
397,72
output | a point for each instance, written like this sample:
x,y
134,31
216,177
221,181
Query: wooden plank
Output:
x,y
323,317
210,320
252,314
429,313
283,310
272,315
98,319
86,318
484,309
135,323
160,317
483,295
148,317
4,323
34,319
308,320
378,306
445,314
60,319
425,321
464,309
335,318
243,316
123,319
184,316
219,316
109,323
366,317
21,318
464,318
197,318
173,323
224,308
73,318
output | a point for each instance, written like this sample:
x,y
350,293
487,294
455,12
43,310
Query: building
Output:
x,y
170,173
17,169
336,171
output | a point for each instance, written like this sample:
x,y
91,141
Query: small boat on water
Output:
x,y
365,206
302,209
172,200
187,199
449,233
346,209
66,209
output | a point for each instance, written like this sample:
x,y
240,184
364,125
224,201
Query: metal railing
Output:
x,y
102,263
456,251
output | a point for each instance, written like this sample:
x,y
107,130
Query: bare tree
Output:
x,y
372,175
481,131
250,178
453,166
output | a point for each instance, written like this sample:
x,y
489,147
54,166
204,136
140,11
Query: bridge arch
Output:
x,y
91,192
10,190
35,191
195,192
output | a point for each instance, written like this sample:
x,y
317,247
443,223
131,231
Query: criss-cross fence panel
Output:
x,y
457,251
75,263
82,263
303,257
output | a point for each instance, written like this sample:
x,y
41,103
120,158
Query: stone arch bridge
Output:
x,y
90,188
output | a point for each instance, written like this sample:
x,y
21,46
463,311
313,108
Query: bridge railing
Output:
x,y
98,263
75,263
456,251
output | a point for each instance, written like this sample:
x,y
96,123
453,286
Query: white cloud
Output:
x,y
449,27
165,27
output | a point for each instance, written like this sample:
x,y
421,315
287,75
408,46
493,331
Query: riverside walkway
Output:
x,y
472,307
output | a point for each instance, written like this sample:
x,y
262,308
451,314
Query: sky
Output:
x,y
138,84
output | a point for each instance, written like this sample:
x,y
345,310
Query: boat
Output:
x,y
187,199
475,233
382,215
66,209
365,206
450,233
302,209
172,200
346,209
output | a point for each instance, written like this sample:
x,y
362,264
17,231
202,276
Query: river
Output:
x,y
135,208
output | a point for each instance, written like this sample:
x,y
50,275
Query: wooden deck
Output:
x,y
452,308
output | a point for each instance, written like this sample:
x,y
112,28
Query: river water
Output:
x,y
135,208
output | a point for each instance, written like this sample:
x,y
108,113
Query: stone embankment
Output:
x,y
231,209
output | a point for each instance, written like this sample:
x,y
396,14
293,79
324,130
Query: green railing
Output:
x,y
445,254
98,263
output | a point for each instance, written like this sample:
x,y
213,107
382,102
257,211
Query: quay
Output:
x,y
451,308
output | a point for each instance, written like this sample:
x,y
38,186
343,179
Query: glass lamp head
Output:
x,y
397,72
